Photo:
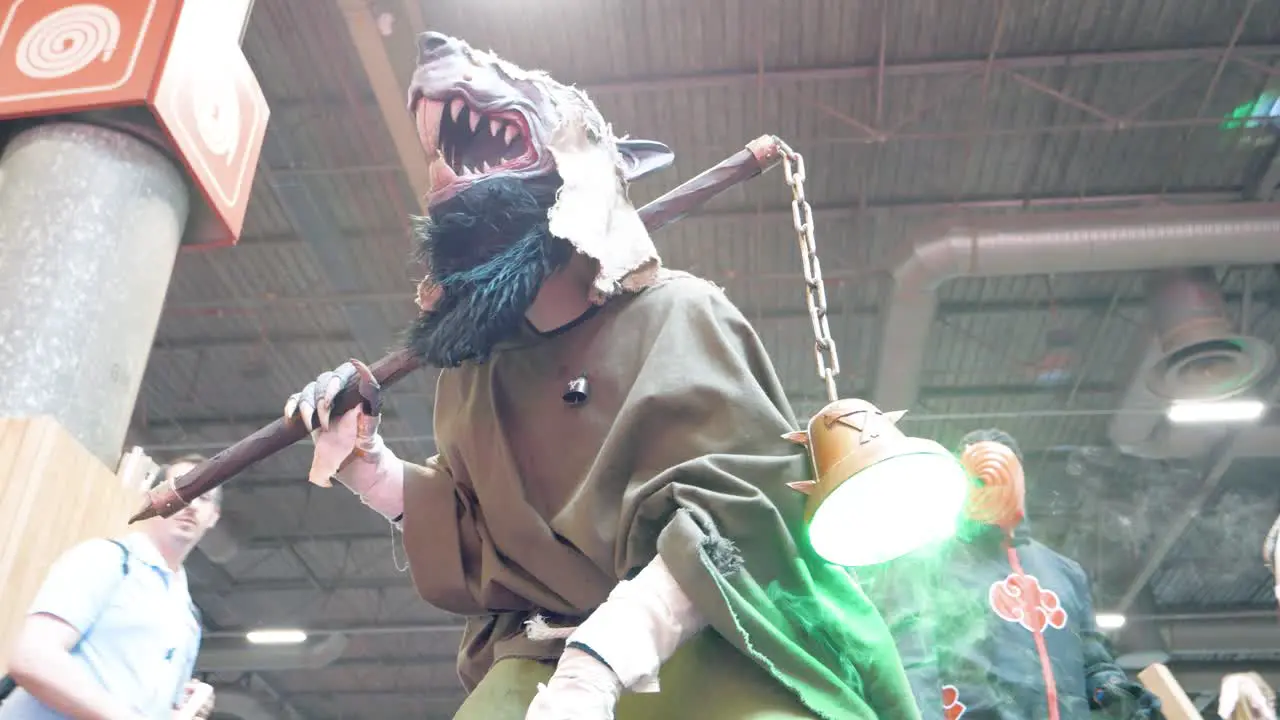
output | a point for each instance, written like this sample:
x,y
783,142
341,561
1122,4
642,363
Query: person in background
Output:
x,y
112,633
994,625
1241,690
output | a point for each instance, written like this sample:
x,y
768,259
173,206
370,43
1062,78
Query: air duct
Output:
x,y
1195,354
1203,358
1128,240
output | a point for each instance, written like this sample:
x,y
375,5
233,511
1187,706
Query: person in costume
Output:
x,y
630,548
995,625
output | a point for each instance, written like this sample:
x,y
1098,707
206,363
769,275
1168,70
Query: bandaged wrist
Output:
x,y
376,476
640,626
581,687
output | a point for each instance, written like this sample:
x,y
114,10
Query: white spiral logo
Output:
x,y
216,105
67,40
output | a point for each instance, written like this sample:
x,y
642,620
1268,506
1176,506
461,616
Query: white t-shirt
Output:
x,y
139,631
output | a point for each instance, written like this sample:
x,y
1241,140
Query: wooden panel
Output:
x,y
1174,703
53,494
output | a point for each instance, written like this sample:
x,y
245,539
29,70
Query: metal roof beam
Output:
x,y
390,92
300,584
163,344
1245,54
947,309
796,396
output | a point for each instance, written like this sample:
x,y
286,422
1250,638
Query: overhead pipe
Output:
x,y
1127,240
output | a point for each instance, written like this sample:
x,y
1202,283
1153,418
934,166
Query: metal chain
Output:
x,y
815,292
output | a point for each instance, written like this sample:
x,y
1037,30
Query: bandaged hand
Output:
x,y
1240,688
582,688
633,632
349,448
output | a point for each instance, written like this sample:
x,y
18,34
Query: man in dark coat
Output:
x,y
994,624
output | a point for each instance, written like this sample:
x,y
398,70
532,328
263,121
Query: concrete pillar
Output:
x,y
90,223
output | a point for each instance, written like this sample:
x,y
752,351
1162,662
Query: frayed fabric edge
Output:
x,y
722,554
782,678
538,629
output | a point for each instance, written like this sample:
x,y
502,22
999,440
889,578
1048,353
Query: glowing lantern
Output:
x,y
879,494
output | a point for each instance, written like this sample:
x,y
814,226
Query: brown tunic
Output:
x,y
534,505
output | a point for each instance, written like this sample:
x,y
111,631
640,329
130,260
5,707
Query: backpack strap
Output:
x,y
124,571
8,684
124,560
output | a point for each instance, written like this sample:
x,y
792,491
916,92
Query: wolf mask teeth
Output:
x,y
479,116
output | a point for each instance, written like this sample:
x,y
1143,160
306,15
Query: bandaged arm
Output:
x,y
639,627
371,471
377,478
443,519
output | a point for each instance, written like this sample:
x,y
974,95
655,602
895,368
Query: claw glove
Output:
x,y
633,632
352,451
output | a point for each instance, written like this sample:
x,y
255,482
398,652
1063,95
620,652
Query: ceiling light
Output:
x,y
276,637
1222,411
1110,621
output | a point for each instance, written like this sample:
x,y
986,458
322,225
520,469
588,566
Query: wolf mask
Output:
x,y
480,118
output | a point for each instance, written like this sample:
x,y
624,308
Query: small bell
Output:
x,y
576,392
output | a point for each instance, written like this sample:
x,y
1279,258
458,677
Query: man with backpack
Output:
x,y
113,634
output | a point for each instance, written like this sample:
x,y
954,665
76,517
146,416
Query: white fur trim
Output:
x,y
593,213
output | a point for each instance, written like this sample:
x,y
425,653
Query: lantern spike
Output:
x,y
803,487
895,416
799,437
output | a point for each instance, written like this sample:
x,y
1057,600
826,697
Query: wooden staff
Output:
x,y
166,499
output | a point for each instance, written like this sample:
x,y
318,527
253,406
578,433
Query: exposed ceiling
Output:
x,y
915,116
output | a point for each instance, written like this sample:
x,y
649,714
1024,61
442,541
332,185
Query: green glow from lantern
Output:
x,y
889,509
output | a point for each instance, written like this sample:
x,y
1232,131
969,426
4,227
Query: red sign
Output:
x,y
59,56
211,106
180,58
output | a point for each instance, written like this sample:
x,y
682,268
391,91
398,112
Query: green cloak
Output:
x,y
535,506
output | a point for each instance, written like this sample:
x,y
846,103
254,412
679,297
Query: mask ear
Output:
x,y
641,157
